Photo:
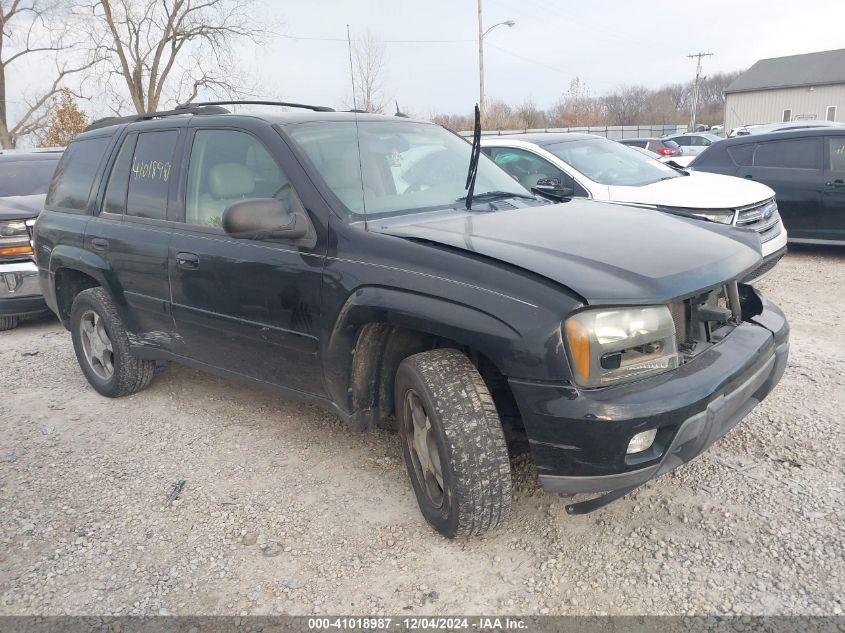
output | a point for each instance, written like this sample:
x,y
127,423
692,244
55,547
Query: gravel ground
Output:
x,y
284,510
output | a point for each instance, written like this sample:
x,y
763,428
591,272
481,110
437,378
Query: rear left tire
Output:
x,y
102,347
8,323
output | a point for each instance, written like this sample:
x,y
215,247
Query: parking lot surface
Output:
x,y
202,496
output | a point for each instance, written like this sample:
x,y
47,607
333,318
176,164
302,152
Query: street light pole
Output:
x,y
481,34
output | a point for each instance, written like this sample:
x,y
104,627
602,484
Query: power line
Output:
x,y
693,111
343,40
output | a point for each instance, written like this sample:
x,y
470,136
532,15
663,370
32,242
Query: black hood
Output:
x,y
607,253
21,207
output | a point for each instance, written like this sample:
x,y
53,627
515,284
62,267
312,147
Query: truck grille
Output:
x,y
762,217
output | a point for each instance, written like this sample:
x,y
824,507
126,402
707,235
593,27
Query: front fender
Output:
x,y
426,314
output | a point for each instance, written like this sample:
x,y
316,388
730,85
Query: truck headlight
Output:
x,y
14,239
607,346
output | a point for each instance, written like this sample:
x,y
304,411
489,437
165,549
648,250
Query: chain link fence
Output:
x,y
613,132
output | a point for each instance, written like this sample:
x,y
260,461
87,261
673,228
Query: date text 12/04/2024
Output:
x,y
417,623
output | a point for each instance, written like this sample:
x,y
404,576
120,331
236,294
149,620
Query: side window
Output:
x,y
227,166
742,154
527,168
836,147
149,174
699,141
75,174
683,141
792,154
115,198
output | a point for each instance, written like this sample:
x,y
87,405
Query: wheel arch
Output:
x,y
378,327
72,270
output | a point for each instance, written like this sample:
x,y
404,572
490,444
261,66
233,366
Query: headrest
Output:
x,y
230,180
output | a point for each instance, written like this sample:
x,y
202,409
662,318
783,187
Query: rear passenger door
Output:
x,y
132,231
832,219
793,168
244,306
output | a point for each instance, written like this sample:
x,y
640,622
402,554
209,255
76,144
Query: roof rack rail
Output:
x,y
188,109
285,104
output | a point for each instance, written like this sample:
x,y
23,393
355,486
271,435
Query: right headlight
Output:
x,y
608,346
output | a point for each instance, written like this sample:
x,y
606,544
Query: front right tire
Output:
x,y
453,443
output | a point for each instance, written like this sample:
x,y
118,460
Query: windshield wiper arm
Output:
x,y
474,155
492,195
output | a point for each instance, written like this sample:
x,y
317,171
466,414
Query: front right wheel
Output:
x,y
453,443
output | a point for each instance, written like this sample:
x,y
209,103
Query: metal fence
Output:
x,y
613,132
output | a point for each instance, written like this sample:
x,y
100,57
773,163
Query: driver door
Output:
x,y
245,306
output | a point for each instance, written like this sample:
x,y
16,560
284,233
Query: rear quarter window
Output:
x,y
792,154
75,174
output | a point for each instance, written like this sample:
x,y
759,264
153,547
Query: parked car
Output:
x,y
806,169
24,178
768,128
334,257
656,145
594,167
693,143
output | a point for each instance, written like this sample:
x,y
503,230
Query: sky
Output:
x,y
606,43
432,50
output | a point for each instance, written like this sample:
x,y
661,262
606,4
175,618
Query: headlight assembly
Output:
x,y
14,239
608,346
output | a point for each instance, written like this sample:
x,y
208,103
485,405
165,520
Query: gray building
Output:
x,y
809,86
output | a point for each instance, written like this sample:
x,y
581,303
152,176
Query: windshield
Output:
x,y
26,177
611,163
406,166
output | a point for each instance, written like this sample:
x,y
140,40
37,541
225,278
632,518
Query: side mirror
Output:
x,y
264,218
551,188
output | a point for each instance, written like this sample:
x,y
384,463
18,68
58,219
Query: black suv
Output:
x,y
805,167
331,256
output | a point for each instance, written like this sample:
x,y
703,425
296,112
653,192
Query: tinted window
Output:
x,y
26,177
792,154
115,200
742,154
149,174
684,140
837,153
227,166
636,143
75,174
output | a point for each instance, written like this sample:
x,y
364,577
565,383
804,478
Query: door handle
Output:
x,y
188,260
749,176
99,243
836,183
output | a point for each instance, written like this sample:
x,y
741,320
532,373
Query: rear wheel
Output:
x,y
453,443
102,346
8,323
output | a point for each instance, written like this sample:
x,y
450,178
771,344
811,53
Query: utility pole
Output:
x,y
694,109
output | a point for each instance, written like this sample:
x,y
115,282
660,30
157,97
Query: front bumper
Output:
x,y
20,291
579,437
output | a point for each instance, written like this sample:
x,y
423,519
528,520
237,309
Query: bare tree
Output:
x,y
368,61
34,30
530,115
170,49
